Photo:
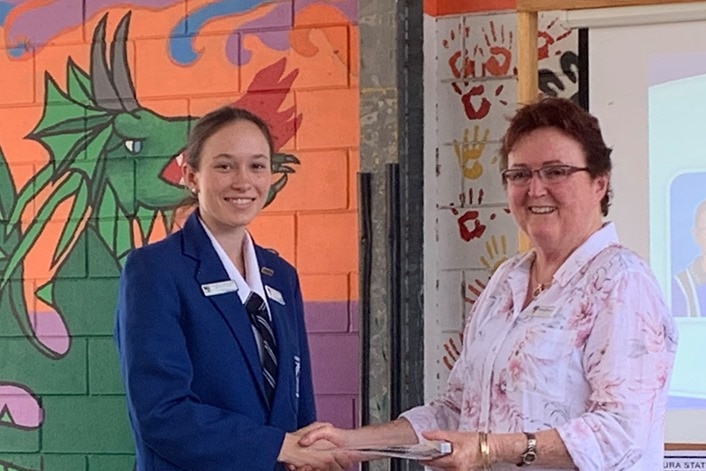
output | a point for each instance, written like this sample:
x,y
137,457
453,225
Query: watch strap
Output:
x,y
529,456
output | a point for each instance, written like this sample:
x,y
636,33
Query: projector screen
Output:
x,y
647,86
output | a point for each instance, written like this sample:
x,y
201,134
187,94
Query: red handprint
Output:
x,y
472,290
547,37
475,104
465,62
476,231
452,350
461,66
469,225
462,197
498,62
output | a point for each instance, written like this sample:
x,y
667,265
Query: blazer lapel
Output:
x,y
198,246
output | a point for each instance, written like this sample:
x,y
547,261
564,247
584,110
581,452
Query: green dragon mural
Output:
x,y
116,166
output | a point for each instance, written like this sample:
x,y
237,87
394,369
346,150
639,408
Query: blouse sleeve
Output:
x,y
627,361
443,412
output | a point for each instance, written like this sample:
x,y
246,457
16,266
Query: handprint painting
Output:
x,y
96,105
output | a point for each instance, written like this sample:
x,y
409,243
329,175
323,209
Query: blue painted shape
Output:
x,y
4,10
183,51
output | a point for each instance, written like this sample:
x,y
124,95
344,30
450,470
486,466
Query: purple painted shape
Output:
x,y
94,6
326,316
354,325
38,25
338,410
51,330
276,40
335,361
279,17
18,407
349,8
233,49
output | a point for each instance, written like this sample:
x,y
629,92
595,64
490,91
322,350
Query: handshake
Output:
x,y
323,447
317,447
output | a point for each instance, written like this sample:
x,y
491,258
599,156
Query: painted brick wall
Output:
x,y
72,205
471,86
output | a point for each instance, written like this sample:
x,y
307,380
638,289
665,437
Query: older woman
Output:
x,y
569,349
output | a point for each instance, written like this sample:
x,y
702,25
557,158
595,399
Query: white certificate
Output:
x,y
420,451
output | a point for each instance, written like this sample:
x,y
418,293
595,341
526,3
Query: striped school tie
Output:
x,y
256,308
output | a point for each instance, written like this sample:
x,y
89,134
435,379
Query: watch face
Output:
x,y
529,456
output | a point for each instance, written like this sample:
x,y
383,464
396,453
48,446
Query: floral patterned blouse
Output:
x,y
591,357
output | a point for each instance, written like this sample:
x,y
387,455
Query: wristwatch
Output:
x,y
530,454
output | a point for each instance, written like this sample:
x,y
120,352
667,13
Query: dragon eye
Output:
x,y
133,146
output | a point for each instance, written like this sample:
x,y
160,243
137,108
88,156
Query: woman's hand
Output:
x,y
397,432
324,431
465,452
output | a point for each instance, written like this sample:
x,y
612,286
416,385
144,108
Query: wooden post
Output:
x,y
527,74
527,70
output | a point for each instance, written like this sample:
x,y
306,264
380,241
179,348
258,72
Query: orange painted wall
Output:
x,y
453,7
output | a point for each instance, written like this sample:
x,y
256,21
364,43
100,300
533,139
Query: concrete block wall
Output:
x,y
470,92
66,222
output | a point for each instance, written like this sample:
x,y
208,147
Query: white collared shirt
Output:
x,y
252,280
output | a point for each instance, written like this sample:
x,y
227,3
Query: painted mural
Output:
x,y
97,100
476,90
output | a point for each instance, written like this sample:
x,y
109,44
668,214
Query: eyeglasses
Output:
x,y
550,174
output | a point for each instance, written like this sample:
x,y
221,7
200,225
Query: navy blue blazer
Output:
x,y
190,362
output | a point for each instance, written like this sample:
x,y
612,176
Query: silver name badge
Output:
x,y
220,287
543,311
274,295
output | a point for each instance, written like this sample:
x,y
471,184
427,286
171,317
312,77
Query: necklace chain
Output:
x,y
539,288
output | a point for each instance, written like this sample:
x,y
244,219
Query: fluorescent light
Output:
x,y
637,15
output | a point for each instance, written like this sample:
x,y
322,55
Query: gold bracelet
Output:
x,y
484,450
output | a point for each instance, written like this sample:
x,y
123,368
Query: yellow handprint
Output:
x,y
497,253
468,152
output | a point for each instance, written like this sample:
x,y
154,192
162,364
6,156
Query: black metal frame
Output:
x,y
410,376
583,68
407,325
405,235
365,250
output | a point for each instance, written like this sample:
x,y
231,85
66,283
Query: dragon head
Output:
x,y
118,162
141,140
